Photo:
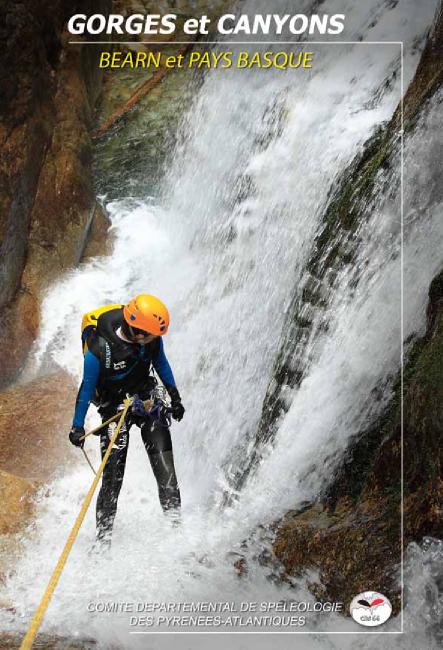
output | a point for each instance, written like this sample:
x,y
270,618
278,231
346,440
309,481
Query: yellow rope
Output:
x,y
41,609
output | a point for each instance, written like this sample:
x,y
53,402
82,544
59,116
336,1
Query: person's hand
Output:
x,y
75,434
177,410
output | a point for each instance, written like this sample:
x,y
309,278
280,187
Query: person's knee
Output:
x,y
156,437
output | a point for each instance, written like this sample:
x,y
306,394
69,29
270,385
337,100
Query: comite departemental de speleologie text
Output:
x,y
216,614
112,607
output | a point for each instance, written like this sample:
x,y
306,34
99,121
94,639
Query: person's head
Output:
x,y
145,318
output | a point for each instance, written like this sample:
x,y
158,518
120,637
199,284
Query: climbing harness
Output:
x,y
156,408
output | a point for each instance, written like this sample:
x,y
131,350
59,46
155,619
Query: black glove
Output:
x,y
177,408
75,434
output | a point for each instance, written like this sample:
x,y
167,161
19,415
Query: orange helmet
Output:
x,y
147,313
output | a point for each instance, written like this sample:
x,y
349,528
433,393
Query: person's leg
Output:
x,y
112,479
157,441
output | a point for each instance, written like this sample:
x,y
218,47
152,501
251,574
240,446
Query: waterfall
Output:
x,y
226,246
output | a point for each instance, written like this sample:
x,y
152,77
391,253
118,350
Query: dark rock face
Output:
x,y
337,244
46,194
429,73
98,241
352,535
23,139
358,520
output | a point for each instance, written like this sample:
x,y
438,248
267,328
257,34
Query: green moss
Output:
x,y
349,202
374,458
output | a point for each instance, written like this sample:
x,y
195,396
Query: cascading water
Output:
x,y
224,247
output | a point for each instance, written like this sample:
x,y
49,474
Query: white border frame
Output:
x,y
401,134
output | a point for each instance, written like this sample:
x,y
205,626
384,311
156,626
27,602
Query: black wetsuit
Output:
x,y
157,441
125,369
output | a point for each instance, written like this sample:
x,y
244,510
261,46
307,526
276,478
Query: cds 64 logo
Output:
x,y
370,608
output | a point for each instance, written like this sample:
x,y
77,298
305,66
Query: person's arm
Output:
x,y
91,371
164,371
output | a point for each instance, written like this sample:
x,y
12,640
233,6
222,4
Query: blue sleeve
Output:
x,y
91,371
161,365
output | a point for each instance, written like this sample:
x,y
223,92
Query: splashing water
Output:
x,y
224,248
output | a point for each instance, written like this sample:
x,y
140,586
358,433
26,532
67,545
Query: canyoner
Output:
x,y
122,344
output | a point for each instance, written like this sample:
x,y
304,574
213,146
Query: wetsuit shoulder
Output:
x,y
93,344
108,323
